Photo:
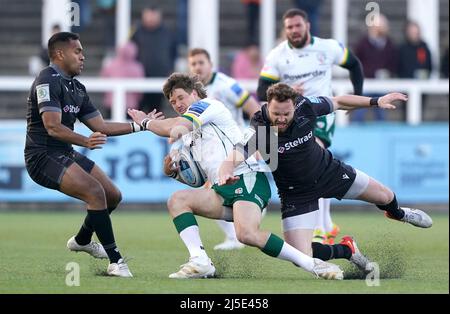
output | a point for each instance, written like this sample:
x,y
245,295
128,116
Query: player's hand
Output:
x,y
299,88
137,115
386,101
170,166
95,140
155,115
226,174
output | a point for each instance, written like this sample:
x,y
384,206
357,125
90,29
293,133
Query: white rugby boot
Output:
x,y
94,249
229,244
119,269
415,217
197,267
327,270
357,258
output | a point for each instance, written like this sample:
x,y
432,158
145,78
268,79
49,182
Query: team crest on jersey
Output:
x,y
238,191
321,57
43,93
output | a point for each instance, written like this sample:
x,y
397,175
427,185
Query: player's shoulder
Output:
x,y
279,50
327,43
260,118
223,79
48,75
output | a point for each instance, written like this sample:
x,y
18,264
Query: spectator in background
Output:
x,y
311,7
107,9
252,11
247,64
444,64
156,52
378,55
124,65
414,56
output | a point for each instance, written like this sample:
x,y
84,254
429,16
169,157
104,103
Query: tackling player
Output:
x,y
306,171
305,63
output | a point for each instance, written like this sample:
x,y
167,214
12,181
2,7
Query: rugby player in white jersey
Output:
x,y
238,100
305,63
208,129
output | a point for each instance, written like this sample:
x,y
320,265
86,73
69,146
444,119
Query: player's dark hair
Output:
x,y
184,81
58,40
295,12
281,92
199,51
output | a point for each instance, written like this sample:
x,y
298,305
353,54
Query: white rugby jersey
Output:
x,y
213,138
311,65
228,91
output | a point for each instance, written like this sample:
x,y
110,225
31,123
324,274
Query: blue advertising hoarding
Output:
x,y
413,161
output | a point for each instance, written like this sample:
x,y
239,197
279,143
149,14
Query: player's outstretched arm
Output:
x,y
98,124
54,127
351,102
171,127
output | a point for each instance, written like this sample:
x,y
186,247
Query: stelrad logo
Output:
x,y
299,141
71,109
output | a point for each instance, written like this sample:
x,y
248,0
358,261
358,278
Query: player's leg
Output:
x,y
369,190
182,206
247,218
76,182
331,229
319,229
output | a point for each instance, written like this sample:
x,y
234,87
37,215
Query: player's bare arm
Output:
x,y
170,127
351,102
54,127
98,124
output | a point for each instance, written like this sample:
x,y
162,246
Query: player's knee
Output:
x,y
386,196
176,201
246,236
114,199
95,192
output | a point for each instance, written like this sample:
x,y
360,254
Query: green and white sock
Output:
x,y
276,247
187,227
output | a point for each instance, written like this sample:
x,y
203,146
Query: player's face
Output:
x,y
181,100
200,65
297,31
73,58
281,114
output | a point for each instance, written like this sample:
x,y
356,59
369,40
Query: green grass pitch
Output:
x,y
34,257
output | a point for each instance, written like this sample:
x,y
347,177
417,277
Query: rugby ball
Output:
x,y
189,171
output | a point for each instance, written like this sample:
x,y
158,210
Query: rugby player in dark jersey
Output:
x,y
55,102
306,172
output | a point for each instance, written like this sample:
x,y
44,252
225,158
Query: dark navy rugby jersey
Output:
x,y
301,161
54,91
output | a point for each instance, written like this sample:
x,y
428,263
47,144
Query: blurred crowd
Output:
x,y
154,50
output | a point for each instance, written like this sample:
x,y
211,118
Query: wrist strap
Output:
x,y
145,122
136,127
374,101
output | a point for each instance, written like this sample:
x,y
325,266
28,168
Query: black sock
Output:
x,y
101,223
84,236
326,252
393,209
